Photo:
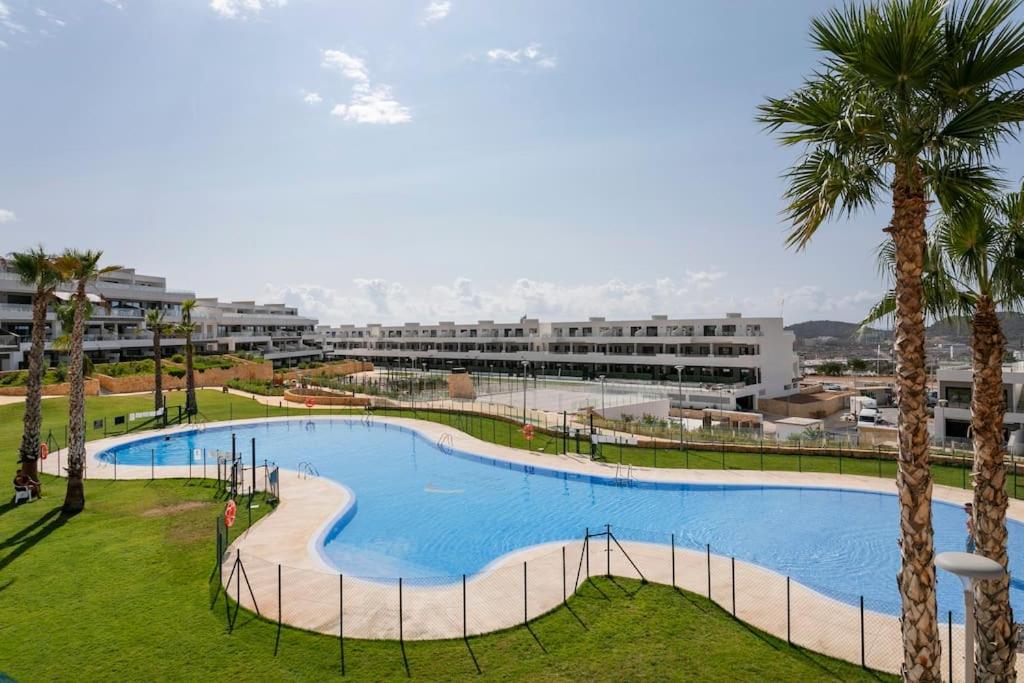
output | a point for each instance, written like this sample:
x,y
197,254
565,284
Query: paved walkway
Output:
x,y
315,597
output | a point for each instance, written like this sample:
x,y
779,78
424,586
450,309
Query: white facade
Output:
x,y
274,331
111,335
953,412
725,362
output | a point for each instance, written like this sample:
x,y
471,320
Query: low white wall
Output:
x,y
658,408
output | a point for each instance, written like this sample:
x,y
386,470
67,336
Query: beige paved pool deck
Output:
x,y
494,598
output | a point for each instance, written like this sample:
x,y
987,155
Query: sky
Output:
x,y
424,160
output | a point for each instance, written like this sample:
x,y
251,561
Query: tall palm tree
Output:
x,y
155,323
975,266
35,267
910,100
81,268
188,328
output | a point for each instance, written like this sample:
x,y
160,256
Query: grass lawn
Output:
x,y
121,592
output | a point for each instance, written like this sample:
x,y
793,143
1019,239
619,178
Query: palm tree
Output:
x,y
35,267
155,323
975,266
908,103
81,268
188,328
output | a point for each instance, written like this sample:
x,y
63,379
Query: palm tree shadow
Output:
x,y
35,532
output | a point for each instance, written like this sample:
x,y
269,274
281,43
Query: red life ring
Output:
x,y
44,451
229,514
528,432
310,403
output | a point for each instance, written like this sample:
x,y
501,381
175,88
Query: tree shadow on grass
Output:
x,y
24,540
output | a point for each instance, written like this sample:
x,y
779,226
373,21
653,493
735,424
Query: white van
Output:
x,y
868,417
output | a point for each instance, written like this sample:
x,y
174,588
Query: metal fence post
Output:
x,y
789,616
734,586
709,569
115,466
526,618
401,626
341,621
950,641
586,549
565,597
152,462
464,627
608,550
863,655
673,560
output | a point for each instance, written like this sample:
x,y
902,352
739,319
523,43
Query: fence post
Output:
x,y
204,463
734,587
401,626
586,549
565,597
115,466
278,608
789,615
526,619
464,627
152,461
341,621
709,569
673,560
949,635
608,550
863,655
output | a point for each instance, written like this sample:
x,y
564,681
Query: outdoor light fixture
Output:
x,y
970,567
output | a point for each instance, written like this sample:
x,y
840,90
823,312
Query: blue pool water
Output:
x,y
420,512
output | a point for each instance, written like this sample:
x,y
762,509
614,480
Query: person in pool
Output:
x,y
971,542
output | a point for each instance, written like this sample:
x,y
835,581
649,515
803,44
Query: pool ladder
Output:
x,y
445,443
624,475
307,470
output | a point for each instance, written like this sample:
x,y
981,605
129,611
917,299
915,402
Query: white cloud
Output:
x,y
7,22
367,103
3,45
531,55
115,3
349,66
373,105
40,12
7,216
243,9
312,97
436,11
380,300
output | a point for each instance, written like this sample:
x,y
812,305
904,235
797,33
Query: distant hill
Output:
x,y
831,328
1013,328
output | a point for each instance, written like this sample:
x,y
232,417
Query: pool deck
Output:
x,y
286,542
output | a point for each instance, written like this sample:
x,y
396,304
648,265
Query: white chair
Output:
x,y
23,493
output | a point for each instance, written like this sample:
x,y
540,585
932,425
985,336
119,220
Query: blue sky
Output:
x,y
423,160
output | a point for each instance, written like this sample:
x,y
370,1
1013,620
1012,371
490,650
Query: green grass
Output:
x,y
121,591
126,368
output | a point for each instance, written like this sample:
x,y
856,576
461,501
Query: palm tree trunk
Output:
x,y
158,380
33,421
922,653
996,639
190,379
74,499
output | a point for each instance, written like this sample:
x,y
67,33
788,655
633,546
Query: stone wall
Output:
x,y
347,367
92,388
323,398
212,377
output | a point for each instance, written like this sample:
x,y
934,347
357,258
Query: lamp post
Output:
x,y
524,363
970,567
679,371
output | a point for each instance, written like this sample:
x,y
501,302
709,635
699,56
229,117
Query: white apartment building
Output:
x,y
724,362
113,334
274,331
953,412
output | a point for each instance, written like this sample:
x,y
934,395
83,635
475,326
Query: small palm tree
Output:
x,y
908,103
36,268
80,268
188,328
975,266
155,323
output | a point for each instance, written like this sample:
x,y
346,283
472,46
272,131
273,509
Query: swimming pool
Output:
x,y
420,512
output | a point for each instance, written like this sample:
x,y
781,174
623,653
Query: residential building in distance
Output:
x,y
723,362
274,331
117,331
953,412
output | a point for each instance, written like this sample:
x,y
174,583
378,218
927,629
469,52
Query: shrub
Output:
x,y
178,358
265,388
177,373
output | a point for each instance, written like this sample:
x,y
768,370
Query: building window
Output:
x,y
958,397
